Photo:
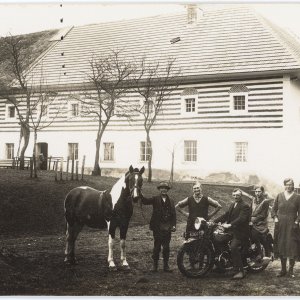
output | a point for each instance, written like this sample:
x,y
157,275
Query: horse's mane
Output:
x,y
117,189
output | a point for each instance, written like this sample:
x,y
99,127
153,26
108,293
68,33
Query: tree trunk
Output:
x,y
149,146
97,170
26,135
34,154
172,169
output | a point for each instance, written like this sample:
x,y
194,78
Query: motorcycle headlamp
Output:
x,y
198,222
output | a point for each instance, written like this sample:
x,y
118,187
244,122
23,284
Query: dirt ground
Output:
x,y
33,265
32,248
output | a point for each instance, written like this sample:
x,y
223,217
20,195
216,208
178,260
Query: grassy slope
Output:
x,y
29,205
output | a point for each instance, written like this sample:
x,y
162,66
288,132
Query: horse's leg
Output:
x,y
123,254
71,236
123,232
110,259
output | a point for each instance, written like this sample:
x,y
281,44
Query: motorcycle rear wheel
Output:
x,y
194,260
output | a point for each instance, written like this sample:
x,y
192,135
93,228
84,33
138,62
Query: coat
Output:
x,y
156,217
287,212
238,217
260,215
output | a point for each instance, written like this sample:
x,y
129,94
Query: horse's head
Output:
x,y
134,182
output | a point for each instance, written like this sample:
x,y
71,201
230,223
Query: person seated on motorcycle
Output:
x,y
198,205
259,223
236,219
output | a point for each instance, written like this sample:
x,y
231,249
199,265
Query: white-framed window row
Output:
x,y
189,105
241,152
144,152
74,109
10,112
108,152
239,103
73,151
9,150
190,151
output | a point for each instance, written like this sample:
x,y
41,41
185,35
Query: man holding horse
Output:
x,y
162,223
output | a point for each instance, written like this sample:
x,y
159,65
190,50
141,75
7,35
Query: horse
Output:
x,y
100,209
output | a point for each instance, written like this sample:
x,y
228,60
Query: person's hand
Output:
x,y
276,220
226,226
173,229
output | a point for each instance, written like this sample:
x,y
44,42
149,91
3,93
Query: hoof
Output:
x,y
70,261
125,268
112,268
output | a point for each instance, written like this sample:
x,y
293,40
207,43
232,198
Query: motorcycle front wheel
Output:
x,y
195,259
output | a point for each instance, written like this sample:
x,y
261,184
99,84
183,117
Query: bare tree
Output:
x,y
40,116
109,77
154,82
15,87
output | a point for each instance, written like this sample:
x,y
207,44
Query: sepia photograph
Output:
x,y
149,148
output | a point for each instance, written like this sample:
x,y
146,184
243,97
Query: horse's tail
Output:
x,y
69,210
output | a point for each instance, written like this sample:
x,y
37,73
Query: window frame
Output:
x,y
71,150
232,103
70,109
7,150
145,153
184,105
192,153
7,112
110,154
243,156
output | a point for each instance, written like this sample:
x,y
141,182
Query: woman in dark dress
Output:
x,y
286,213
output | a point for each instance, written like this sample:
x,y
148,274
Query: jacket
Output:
x,y
156,217
238,217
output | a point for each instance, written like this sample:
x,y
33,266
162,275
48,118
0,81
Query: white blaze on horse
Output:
x,y
101,209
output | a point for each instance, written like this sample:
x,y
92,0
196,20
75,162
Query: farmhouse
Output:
x,y
235,108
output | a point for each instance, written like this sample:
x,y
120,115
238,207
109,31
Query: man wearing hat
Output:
x,y
162,223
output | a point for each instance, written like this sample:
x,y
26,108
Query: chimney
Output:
x,y
193,13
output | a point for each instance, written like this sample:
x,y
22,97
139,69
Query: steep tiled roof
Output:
x,y
226,41
34,45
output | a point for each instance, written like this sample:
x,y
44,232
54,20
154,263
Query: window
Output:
x,y
144,152
190,105
10,151
189,98
241,151
73,150
239,99
239,102
74,109
109,151
190,150
10,112
43,109
148,107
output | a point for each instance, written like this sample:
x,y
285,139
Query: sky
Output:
x,y
20,17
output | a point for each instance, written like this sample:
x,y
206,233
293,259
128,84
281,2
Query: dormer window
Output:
x,y
239,99
74,109
10,112
189,100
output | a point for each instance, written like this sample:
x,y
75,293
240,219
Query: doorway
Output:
x,y
42,155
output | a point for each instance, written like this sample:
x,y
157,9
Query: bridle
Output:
x,y
135,190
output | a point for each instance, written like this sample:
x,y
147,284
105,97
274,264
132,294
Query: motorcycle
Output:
x,y
208,246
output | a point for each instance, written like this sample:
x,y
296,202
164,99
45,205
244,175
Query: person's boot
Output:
x,y
240,274
283,267
166,267
291,268
155,266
